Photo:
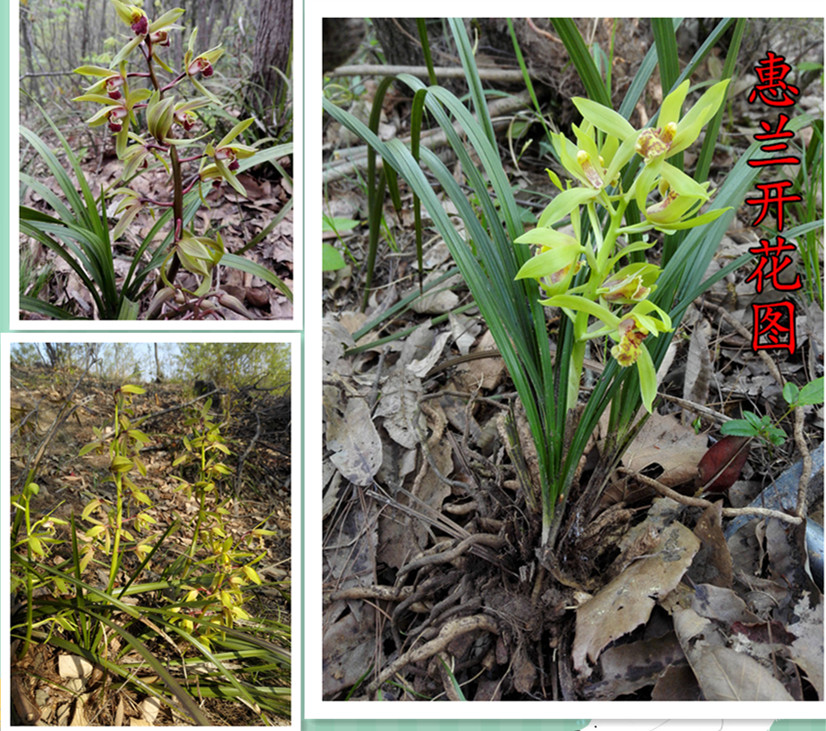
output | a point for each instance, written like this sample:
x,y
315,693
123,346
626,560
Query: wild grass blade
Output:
x,y
264,232
526,76
421,26
665,40
33,304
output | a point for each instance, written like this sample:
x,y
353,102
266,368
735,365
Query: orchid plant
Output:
x,y
610,297
127,98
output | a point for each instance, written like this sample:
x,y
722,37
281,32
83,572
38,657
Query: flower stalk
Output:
x,y
152,125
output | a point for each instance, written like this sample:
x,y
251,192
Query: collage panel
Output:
x,y
153,530
156,174
571,369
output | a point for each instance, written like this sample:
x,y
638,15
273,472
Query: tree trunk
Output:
x,y
34,87
399,39
270,59
158,372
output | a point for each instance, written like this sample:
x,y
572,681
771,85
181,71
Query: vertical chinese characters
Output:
x,y
773,322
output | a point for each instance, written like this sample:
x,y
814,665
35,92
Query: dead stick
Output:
x,y
698,502
437,139
442,72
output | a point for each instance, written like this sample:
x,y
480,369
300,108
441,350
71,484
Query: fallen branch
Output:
x,y
442,72
698,502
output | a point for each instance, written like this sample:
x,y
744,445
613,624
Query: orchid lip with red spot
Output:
x,y
140,25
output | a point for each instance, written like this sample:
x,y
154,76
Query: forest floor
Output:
x,y
54,414
434,585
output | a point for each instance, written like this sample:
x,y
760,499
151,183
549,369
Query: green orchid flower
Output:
x,y
631,284
202,64
557,261
628,329
225,156
133,16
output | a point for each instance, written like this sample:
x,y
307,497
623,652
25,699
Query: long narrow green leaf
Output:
x,y
421,26
477,94
526,76
32,304
665,40
251,267
713,128
586,68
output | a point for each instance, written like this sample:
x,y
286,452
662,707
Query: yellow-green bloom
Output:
x,y
633,283
673,133
225,156
133,16
556,262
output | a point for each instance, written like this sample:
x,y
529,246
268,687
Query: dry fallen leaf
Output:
x,y
807,649
626,601
725,460
723,673
664,441
353,439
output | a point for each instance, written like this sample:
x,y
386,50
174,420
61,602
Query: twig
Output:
x,y
45,73
799,438
544,33
698,408
442,72
448,633
698,502
155,415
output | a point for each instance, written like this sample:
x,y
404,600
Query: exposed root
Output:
x,y
476,539
448,633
